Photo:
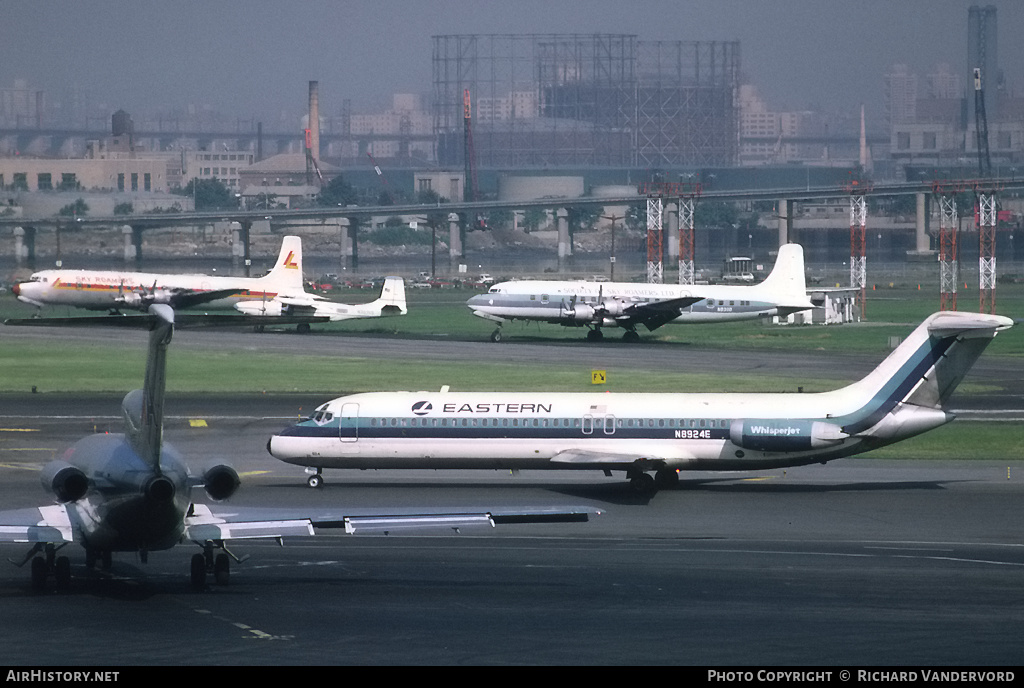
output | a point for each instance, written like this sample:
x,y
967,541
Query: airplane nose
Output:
x,y
16,289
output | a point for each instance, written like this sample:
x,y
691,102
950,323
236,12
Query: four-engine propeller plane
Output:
x,y
114,290
280,293
131,492
907,394
596,305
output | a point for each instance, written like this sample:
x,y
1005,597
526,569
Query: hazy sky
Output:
x,y
254,58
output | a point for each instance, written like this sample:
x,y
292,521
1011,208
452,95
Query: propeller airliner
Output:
x,y
627,305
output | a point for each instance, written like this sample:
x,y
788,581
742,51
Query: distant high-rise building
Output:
x,y
900,95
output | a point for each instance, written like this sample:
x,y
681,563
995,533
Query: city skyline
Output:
x,y
254,60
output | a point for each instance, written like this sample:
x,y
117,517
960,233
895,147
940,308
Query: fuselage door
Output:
x,y
348,423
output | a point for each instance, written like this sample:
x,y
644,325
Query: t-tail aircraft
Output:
x,y
596,305
131,492
390,302
644,433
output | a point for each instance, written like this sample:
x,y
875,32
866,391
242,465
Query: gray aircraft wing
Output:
x,y
598,459
654,314
221,522
52,524
38,524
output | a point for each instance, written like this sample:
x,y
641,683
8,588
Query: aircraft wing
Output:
x,y
598,459
181,320
40,524
222,522
187,298
657,313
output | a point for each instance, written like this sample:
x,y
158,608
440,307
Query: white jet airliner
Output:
x,y
907,394
628,305
132,492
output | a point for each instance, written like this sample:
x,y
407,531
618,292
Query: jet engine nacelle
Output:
x,y
67,482
220,482
272,308
783,435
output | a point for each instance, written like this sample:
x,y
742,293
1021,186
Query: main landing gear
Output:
x,y
219,566
47,563
596,335
647,484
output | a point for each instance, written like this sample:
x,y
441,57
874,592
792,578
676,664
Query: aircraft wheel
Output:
x,y
666,477
198,576
315,481
630,336
302,328
39,571
642,484
595,336
107,560
222,569
496,336
62,573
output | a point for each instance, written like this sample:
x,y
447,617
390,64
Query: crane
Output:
x,y
470,152
981,127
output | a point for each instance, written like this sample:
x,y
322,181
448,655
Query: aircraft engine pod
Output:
x,y
783,435
271,308
581,312
612,308
220,482
159,489
67,482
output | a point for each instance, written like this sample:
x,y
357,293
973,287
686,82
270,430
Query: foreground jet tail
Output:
x,y
143,409
923,372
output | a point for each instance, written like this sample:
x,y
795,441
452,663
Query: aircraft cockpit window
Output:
x,y
494,290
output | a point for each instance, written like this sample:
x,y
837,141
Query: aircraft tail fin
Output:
x,y
926,368
392,297
787,282
286,276
143,409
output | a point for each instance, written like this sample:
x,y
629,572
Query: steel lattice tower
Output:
x,y
987,251
655,253
858,257
949,264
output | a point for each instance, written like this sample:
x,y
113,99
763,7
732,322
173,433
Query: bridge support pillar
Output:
x,y
240,244
921,240
25,245
132,243
785,215
672,231
454,236
564,242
